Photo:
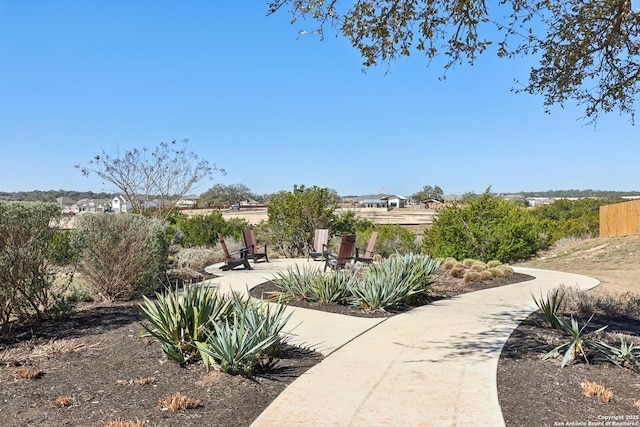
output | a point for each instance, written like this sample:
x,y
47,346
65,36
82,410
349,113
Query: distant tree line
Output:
x,y
52,195
578,193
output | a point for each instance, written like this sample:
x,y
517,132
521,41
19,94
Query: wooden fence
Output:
x,y
620,219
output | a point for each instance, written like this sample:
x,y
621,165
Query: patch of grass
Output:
x,y
593,389
62,402
122,423
138,381
28,374
177,402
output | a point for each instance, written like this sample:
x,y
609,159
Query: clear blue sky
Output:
x,y
78,76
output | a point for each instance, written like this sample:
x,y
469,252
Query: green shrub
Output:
x,y
394,239
61,252
121,255
294,215
485,228
202,230
571,218
26,233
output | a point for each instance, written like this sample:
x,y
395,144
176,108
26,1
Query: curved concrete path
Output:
x,y
432,366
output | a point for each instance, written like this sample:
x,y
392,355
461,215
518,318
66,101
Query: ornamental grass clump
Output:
x,y
471,276
394,281
478,266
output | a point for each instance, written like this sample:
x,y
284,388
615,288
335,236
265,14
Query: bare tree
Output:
x,y
158,177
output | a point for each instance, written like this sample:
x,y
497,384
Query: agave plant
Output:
x,y
333,287
239,343
180,320
393,281
296,283
577,343
550,306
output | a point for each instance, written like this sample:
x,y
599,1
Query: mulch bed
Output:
x,y
536,392
95,357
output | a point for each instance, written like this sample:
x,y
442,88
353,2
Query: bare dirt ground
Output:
x,y
534,392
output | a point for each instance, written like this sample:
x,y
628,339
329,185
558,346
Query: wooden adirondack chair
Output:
x,y
234,258
320,239
368,253
253,251
345,253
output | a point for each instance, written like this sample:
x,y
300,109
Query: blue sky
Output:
x,y
275,110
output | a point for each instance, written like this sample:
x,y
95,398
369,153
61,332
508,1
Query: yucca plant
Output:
x,y
578,342
333,287
180,320
550,305
624,356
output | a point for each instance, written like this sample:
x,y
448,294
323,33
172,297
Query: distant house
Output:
x,y
67,205
249,203
395,201
373,203
187,202
119,204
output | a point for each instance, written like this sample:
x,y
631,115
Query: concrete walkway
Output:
x,y
432,366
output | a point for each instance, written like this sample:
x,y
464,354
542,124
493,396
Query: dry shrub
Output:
x,y
594,389
138,381
177,402
448,263
486,275
568,242
471,276
61,402
121,423
478,266
28,374
493,263
468,262
611,304
457,272
55,347
197,258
